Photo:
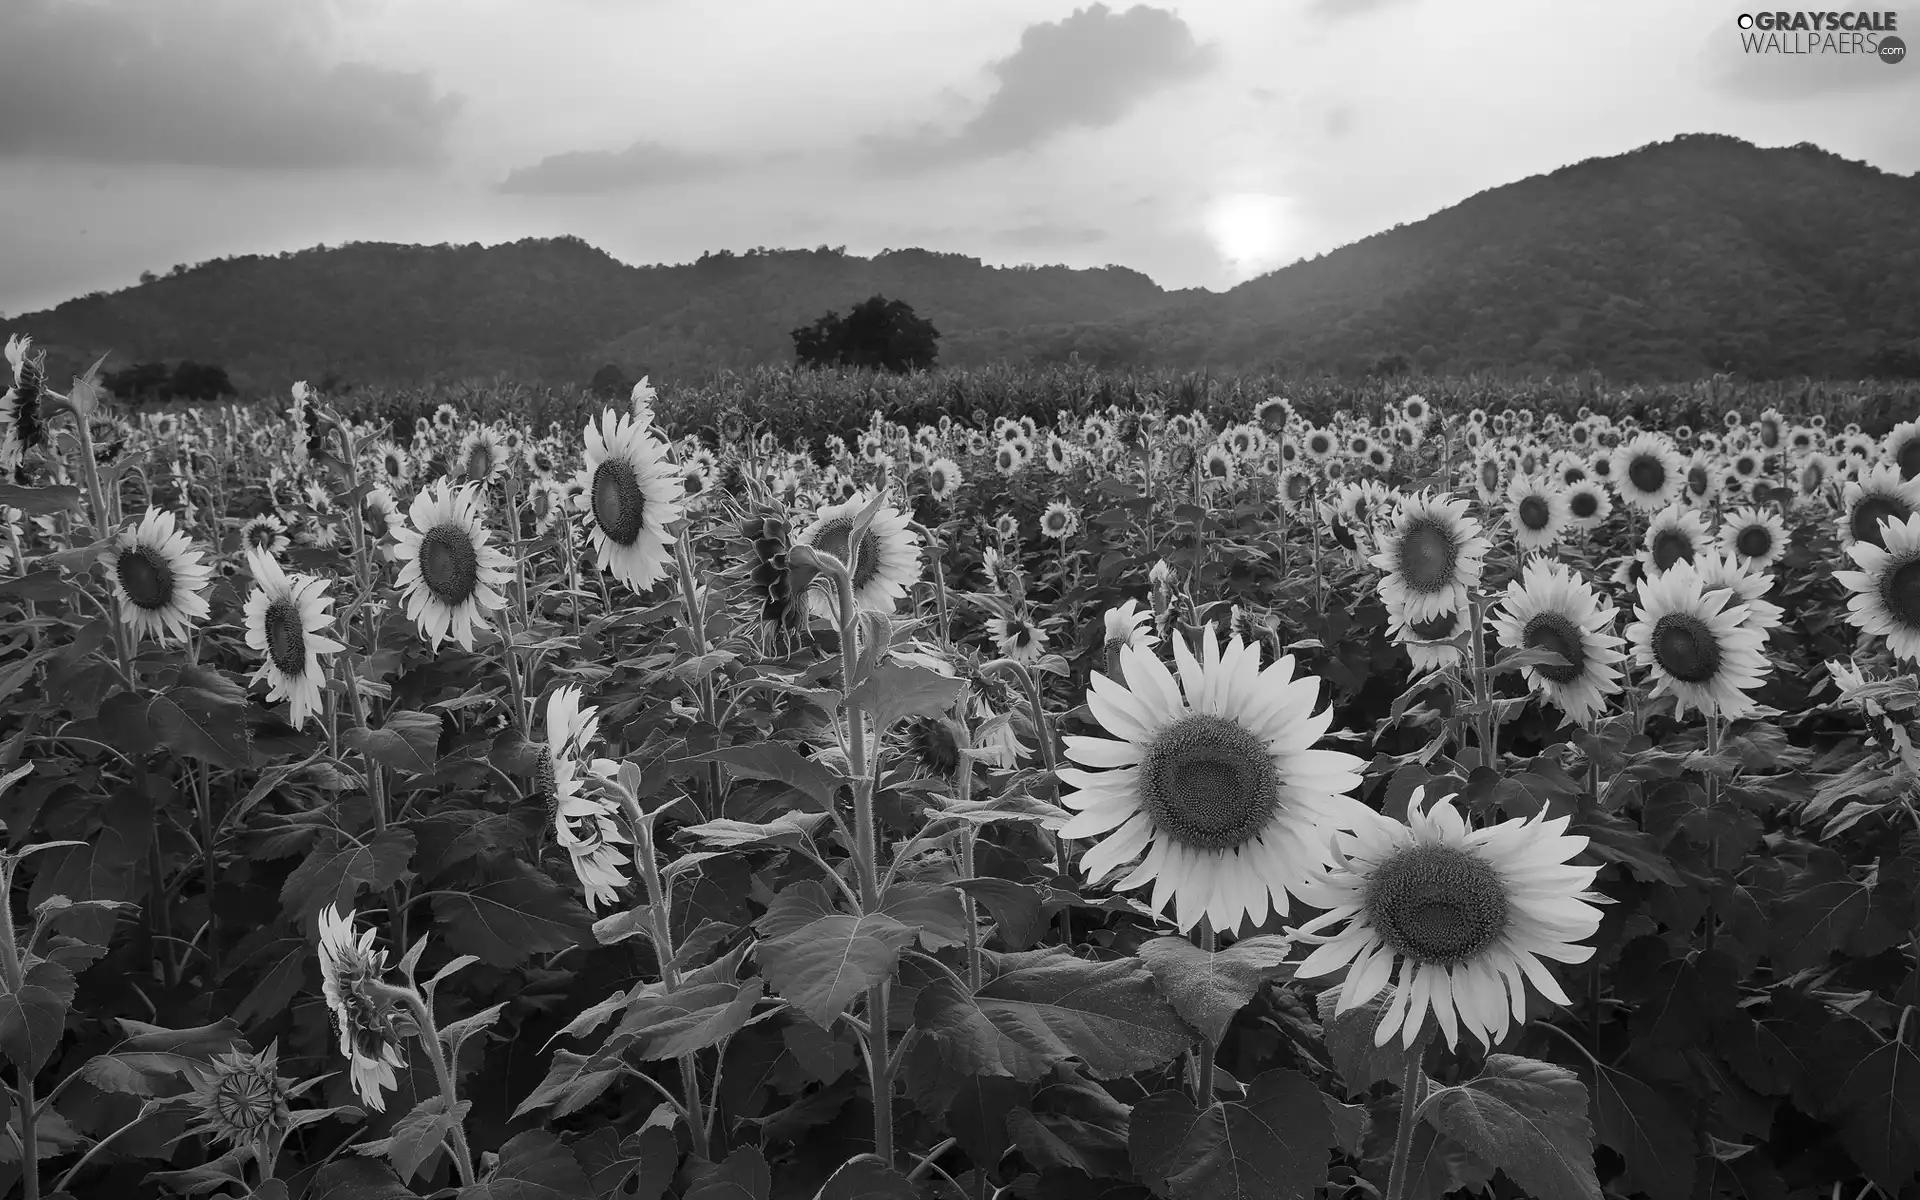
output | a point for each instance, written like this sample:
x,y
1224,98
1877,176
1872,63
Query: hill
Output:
x,y
1682,258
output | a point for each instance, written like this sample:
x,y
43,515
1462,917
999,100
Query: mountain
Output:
x,y
1700,254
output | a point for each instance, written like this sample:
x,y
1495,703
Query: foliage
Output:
x,y
876,334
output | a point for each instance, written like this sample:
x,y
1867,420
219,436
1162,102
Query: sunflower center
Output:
x,y
1584,504
1686,648
1647,473
146,577
1868,514
936,747
244,1102
1755,541
1436,903
286,637
1209,783
479,463
1697,480
1670,547
1909,458
1427,556
1900,591
1553,631
448,564
618,503
1535,512
833,539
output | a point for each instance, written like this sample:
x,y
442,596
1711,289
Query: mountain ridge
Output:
x,y
1681,258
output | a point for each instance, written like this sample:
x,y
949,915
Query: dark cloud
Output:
x,y
1046,233
213,83
586,172
1085,72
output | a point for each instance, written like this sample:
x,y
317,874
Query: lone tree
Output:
x,y
878,332
610,383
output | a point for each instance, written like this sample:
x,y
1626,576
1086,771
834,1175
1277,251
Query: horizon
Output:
x,y
1201,144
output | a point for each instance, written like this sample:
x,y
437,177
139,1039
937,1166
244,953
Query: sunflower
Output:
x,y
22,427
585,825
1431,557
1886,588
1698,644
1019,637
1549,607
239,1098
1213,778
1811,476
1489,477
1010,457
1127,625
481,455
158,577
1756,537
1432,644
1588,505
1880,494
394,463
1218,464
1901,449
362,1006
1648,472
889,554
943,478
1466,915
264,532
1704,479
633,494
447,569
1060,521
1536,511
1319,445
1674,535
1295,490
285,620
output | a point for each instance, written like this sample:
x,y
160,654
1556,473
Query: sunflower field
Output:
x,y
1416,799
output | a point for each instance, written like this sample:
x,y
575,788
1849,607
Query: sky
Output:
x,y
1199,141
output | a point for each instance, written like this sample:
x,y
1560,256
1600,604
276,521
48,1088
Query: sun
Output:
x,y
1248,229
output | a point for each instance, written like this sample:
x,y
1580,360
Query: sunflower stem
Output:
x,y
1411,1079
1207,940
10,973
1713,798
443,1075
1486,729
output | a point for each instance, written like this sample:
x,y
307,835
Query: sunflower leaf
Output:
x,y
892,692
1272,1145
782,764
409,742
1209,988
1527,1117
533,1166
1649,1130
822,965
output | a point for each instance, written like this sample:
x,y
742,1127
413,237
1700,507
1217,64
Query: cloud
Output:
x,y
1336,9
215,83
1084,72
1046,233
585,172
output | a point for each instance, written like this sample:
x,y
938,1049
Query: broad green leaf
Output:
x,y
573,1081
509,919
1349,1037
229,1169
1047,1006
409,742
781,763
1209,989
337,868
201,725
934,911
1015,908
1528,1118
821,966
33,1019
637,1167
743,1176
418,1136
1271,1146
1648,1130
661,1025
103,869
865,1177
788,829
533,1166
41,501
1878,1103
895,691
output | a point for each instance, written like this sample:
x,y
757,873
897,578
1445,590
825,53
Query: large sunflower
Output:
x,y
1431,557
1886,588
1213,779
1548,607
285,617
1901,450
1675,535
158,577
1432,644
1698,644
1757,537
633,494
888,557
1537,512
447,569
1648,472
1467,915
350,980
1878,495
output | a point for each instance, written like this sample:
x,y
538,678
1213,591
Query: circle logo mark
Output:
x,y
1745,21
1892,50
